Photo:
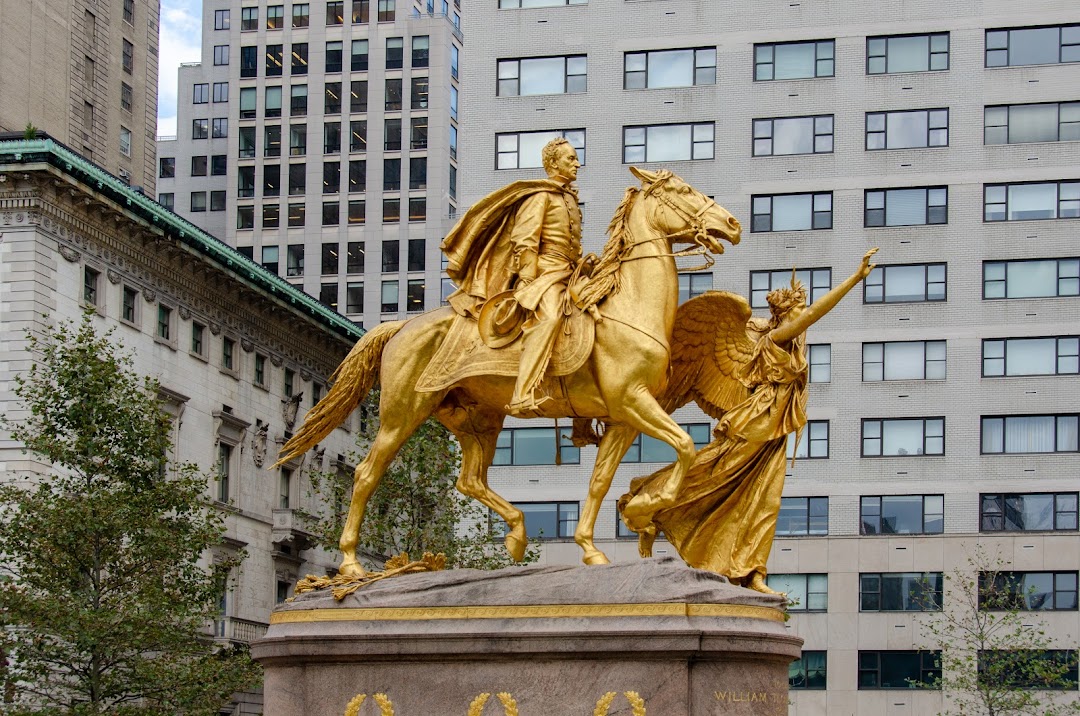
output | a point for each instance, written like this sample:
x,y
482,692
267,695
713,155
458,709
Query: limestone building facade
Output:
x,y
240,354
86,72
313,134
944,395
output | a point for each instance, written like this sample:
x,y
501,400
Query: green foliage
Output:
x,y
104,599
30,132
996,658
415,508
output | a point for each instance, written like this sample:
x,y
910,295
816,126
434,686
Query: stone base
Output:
x,y
556,639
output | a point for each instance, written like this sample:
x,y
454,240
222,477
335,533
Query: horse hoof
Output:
x,y
352,569
595,556
516,545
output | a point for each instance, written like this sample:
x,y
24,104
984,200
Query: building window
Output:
x,y
248,103
199,165
391,210
794,60
387,10
224,471
125,141
389,296
534,446
791,212
91,286
813,443
646,449
221,92
164,323
805,592
331,177
129,12
395,53
126,96
284,499
803,516
900,592
905,284
418,133
668,142
1030,201
902,514
297,140
1035,278
908,129
198,201
1028,591
249,62
391,256
357,212
128,57
357,175
1058,355
391,174
692,285
907,53
354,298
221,55
414,295
793,135
906,207
521,150
820,359
289,383
275,60
328,295
167,167
299,53
217,200
358,96
294,260
221,19
808,671
1015,47
245,217
542,75
455,58
301,15
354,261
260,370
903,436
359,56
417,208
335,13
418,173
669,68
298,104
228,354
271,216
418,94
246,145
361,11
1023,123
129,307
245,182
249,18
200,128
270,258
219,128
167,200
392,94
548,520
331,137
898,669
358,136
331,260
421,49
198,344
272,102
333,63
297,215
817,282
453,102
1028,512
903,360
1025,434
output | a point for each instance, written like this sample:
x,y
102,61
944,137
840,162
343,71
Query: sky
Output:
x,y
181,41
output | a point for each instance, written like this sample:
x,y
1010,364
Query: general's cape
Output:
x,y
480,261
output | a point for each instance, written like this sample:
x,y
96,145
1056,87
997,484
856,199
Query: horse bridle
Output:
x,y
695,223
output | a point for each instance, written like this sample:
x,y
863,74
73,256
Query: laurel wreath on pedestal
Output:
x,y
342,585
385,707
637,704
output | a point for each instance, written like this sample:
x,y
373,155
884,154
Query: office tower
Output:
x,y
86,72
312,134
943,395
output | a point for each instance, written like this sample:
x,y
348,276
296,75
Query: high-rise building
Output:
x,y
86,72
314,133
943,398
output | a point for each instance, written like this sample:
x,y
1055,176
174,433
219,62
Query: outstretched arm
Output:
x,y
789,330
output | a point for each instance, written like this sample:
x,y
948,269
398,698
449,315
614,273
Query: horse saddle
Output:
x,y
492,345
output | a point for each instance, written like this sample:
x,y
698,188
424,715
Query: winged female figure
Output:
x,y
751,374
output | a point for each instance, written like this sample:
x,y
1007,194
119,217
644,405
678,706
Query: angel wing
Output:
x,y
710,343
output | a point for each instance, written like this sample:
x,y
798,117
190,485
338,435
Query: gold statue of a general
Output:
x,y
541,230
753,373
460,364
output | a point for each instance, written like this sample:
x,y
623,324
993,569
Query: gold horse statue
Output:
x,y
617,385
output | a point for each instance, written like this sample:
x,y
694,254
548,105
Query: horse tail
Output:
x,y
352,381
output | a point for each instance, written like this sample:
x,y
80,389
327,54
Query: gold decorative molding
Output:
x,y
510,707
637,704
531,611
386,707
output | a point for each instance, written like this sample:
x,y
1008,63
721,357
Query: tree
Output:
x,y
996,656
105,599
415,508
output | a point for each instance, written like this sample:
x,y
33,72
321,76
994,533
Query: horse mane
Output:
x,y
605,276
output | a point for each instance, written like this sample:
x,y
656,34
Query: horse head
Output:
x,y
684,214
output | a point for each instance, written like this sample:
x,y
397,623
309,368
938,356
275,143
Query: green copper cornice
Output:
x,y
44,149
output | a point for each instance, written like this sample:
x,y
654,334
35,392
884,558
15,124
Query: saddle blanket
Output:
x,y
464,355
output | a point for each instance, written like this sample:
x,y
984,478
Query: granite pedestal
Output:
x,y
556,639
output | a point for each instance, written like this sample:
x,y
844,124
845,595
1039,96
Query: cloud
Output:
x,y
181,41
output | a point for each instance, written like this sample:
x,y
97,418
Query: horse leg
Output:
x,y
477,433
640,410
399,419
613,447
